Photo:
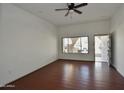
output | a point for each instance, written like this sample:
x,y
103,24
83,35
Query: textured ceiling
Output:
x,y
92,12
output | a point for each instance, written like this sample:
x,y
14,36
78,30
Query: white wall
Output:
x,y
26,43
117,29
87,29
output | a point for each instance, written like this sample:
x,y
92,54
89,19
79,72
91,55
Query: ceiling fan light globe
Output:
x,y
71,11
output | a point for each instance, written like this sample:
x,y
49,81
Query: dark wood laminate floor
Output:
x,y
65,74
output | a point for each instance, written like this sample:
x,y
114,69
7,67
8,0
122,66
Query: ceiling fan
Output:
x,y
72,7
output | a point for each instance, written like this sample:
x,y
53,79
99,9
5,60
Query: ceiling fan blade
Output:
x,y
80,5
61,9
67,13
77,11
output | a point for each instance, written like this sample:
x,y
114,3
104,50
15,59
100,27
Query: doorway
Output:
x,y
102,48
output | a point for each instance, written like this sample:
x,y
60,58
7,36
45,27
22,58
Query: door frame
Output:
x,y
94,43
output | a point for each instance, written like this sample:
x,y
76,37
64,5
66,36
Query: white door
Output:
x,y
102,48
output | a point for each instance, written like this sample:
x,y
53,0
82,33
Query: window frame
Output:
x,y
73,37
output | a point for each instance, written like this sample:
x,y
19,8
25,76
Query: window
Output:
x,y
75,45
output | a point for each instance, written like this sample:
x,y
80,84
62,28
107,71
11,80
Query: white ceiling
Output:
x,y
92,12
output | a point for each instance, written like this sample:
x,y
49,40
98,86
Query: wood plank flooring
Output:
x,y
71,75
